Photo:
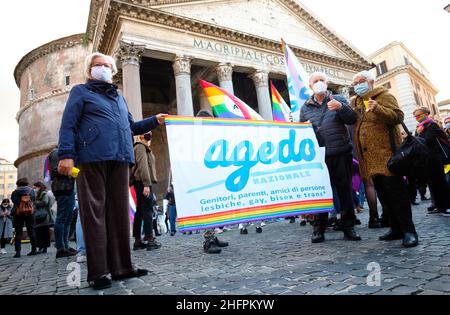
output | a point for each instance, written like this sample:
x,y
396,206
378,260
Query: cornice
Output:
x,y
293,5
124,9
41,151
41,98
46,49
408,69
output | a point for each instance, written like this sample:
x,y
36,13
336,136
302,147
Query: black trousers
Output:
x,y
144,212
393,193
105,217
42,236
3,240
340,168
438,185
19,222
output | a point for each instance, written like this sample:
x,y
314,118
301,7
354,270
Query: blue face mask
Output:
x,y
101,73
362,88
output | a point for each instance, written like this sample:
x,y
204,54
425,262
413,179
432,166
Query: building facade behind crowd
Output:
x,y
407,79
8,178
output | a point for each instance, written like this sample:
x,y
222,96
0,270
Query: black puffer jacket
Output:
x,y
60,184
333,130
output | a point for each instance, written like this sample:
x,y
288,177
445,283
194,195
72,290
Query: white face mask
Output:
x,y
320,88
101,73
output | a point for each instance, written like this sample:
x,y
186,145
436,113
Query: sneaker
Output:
x,y
303,223
243,231
446,213
72,250
17,255
259,230
173,233
101,283
292,220
374,224
139,246
210,247
219,243
64,253
32,253
3,251
431,209
263,224
226,229
218,231
153,245
81,258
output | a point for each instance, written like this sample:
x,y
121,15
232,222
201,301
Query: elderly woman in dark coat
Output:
x,y
42,217
6,226
96,134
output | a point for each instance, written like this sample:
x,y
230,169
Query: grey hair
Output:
x,y
317,73
91,57
365,74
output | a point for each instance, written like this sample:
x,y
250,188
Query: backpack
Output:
x,y
25,206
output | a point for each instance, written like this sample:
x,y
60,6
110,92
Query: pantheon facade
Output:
x,y
163,48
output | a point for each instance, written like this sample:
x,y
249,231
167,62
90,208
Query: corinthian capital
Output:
x,y
181,65
261,78
130,53
224,72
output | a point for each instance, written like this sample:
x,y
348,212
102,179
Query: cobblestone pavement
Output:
x,y
281,260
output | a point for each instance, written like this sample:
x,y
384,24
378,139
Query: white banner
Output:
x,y
234,171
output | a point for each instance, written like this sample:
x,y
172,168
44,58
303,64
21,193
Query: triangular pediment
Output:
x,y
269,19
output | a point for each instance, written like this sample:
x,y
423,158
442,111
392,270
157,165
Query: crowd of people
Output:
x,y
96,135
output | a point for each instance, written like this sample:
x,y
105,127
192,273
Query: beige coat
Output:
x,y
144,170
372,140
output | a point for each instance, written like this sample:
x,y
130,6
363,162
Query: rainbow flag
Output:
x,y
47,170
226,105
298,80
281,111
254,214
133,202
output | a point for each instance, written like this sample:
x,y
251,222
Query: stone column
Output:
x,y
182,70
225,75
130,56
261,79
344,91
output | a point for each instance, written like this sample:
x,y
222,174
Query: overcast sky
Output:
x,y
369,25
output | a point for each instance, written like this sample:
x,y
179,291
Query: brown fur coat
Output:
x,y
372,140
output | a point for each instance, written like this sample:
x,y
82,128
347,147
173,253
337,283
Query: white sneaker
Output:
x,y
446,213
3,251
218,231
263,224
81,258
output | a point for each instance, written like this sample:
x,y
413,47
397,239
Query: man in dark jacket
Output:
x,y
329,115
144,176
63,187
21,220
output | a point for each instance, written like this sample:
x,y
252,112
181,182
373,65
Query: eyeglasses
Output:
x,y
358,82
107,65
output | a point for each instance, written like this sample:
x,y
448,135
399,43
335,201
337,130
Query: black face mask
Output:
x,y
147,137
